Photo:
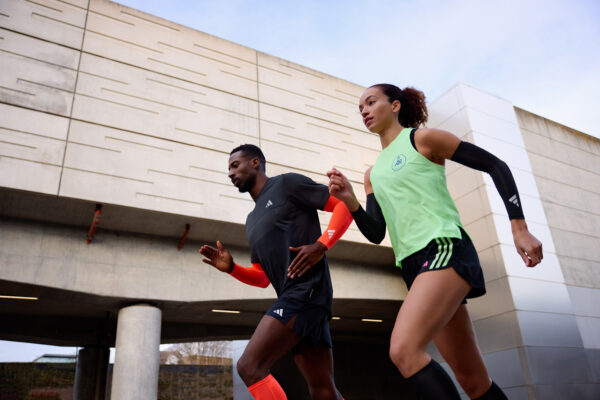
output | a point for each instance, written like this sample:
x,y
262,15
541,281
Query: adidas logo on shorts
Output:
x,y
279,312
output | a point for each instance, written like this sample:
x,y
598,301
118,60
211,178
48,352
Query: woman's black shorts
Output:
x,y
443,253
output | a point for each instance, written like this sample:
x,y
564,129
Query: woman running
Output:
x,y
406,191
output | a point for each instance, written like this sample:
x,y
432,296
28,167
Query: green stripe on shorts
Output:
x,y
443,254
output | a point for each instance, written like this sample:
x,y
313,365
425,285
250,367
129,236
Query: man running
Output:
x,y
288,251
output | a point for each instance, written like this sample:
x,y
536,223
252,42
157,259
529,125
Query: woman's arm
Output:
x,y
371,223
438,145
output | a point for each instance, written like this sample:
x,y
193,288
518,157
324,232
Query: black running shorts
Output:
x,y
312,321
443,253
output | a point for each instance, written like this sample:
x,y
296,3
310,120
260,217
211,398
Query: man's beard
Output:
x,y
247,185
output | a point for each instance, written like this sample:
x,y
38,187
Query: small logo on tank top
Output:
x,y
399,162
269,204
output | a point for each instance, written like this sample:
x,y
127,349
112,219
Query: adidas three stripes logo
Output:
x,y
443,254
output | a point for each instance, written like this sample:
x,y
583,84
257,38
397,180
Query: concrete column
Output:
x,y
135,373
90,373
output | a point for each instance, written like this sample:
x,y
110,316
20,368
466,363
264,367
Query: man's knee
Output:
x,y
249,371
322,390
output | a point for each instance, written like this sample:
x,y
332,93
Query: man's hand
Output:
x,y
528,246
218,258
307,256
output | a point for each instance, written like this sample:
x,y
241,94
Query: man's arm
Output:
x,y
221,259
309,255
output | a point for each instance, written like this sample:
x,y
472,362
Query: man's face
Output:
x,y
242,171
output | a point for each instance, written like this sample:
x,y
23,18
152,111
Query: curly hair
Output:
x,y
413,110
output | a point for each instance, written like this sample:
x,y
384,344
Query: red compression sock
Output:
x,y
267,389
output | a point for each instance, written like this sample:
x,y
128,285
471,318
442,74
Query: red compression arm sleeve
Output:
x,y
253,275
340,221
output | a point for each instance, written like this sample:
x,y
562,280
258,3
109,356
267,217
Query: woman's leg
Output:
x,y
316,364
457,343
430,304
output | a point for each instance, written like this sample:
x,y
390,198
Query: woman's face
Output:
x,y
376,110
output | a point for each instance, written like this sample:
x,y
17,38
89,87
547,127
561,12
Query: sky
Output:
x,y
543,56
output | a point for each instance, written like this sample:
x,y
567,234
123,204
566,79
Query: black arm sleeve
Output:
x,y
371,223
475,157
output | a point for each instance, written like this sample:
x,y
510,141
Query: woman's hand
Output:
x,y
528,246
340,187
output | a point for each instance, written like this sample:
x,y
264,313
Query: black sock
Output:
x,y
433,383
493,393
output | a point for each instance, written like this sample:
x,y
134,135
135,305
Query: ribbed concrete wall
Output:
x,y
105,103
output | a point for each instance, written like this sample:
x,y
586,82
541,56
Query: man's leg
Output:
x,y
270,341
316,364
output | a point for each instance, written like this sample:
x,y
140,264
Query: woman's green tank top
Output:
x,y
412,193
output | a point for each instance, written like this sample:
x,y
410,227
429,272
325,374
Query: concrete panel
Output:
x,y
60,22
580,272
589,328
444,107
458,124
356,281
585,301
487,103
569,195
17,174
549,329
573,391
162,106
558,172
494,127
538,295
133,37
570,154
505,368
555,365
498,300
492,263
473,206
499,333
518,393
574,220
37,74
120,167
594,361
482,232
306,91
290,139
462,180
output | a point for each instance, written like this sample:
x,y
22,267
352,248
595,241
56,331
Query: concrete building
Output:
x,y
104,105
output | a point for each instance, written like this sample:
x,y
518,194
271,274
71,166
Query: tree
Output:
x,y
198,353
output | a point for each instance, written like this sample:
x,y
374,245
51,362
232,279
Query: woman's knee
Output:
x,y
406,357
